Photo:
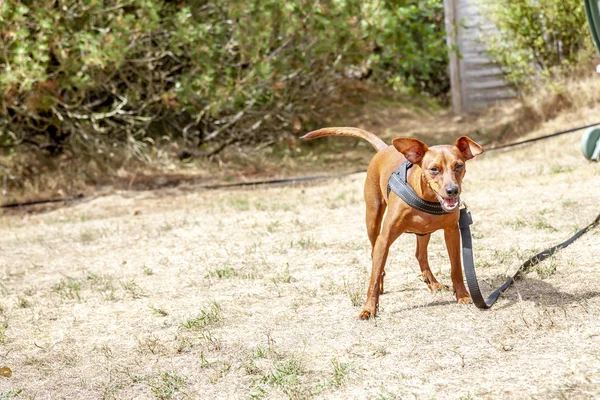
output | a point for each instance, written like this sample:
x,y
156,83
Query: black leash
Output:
x,y
504,146
277,181
265,182
464,222
35,202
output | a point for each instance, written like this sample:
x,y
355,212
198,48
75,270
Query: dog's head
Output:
x,y
443,166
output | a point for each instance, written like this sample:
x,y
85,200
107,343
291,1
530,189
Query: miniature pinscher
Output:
x,y
436,175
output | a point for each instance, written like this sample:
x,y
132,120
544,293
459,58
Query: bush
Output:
x,y
90,75
536,38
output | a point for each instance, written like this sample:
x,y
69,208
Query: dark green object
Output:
x,y
592,11
590,144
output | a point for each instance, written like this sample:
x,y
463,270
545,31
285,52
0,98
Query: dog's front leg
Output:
x,y
385,239
452,237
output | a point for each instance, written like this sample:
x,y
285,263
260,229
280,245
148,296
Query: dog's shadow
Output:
x,y
539,292
524,289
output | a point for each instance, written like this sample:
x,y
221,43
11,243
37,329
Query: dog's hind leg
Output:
x,y
421,254
374,215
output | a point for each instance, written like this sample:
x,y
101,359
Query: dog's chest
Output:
x,y
418,223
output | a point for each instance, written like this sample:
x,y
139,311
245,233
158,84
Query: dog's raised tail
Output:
x,y
347,131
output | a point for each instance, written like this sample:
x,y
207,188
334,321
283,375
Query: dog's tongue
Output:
x,y
450,203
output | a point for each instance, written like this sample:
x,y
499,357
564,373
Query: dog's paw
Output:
x,y
434,287
365,315
432,283
466,299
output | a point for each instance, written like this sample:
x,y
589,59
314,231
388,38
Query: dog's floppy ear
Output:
x,y
468,147
412,149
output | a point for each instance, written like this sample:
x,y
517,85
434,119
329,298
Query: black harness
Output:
x,y
400,186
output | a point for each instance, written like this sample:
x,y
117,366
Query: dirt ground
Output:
x,y
254,293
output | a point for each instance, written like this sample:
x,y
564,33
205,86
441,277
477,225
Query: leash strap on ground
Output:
x,y
292,180
464,222
504,146
36,202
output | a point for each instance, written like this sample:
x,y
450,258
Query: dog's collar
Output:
x,y
399,185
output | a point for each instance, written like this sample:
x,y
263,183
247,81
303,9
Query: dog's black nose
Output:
x,y
452,190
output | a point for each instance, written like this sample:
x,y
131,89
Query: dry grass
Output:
x,y
182,293
254,293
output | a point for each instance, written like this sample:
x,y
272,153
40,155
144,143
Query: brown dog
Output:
x,y
436,176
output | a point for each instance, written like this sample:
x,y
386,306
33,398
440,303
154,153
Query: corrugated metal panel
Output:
x,y
475,79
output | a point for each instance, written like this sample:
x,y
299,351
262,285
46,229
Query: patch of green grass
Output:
x,y
356,292
557,169
284,276
285,375
340,372
152,345
515,223
169,386
283,207
239,203
210,340
380,351
502,256
260,206
160,312
307,243
260,352
273,226
203,361
251,368
111,387
224,369
11,394
134,290
3,327
547,268
87,236
147,271
385,395
22,302
68,288
483,264
103,285
222,273
541,223
209,316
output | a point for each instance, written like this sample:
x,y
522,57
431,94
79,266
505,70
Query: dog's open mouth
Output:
x,y
448,203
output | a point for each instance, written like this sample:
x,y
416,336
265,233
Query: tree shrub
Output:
x,y
91,74
536,38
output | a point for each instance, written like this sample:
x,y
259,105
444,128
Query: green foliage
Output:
x,y
207,317
411,49
95,75
536,37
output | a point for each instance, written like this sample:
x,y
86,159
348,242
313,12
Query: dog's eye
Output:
x,y
459,167
434,170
